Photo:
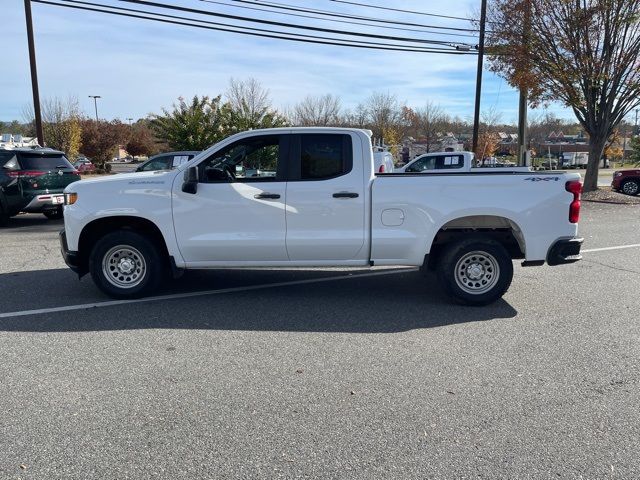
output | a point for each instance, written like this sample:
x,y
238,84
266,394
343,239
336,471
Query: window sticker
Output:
x,y
179,160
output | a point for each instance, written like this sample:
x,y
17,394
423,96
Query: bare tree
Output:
x,y
428,124
317,111
249,106
583,53
60,123
385,113
357,118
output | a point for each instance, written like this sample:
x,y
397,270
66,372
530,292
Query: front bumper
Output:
x,y
71,258
563,251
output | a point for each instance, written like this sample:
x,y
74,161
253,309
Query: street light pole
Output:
x,y
95,104
476,113
34,73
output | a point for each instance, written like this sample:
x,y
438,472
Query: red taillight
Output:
x,y
381,169
574,187
26,173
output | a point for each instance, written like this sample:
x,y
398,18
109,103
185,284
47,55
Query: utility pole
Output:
x,y
635,128
95,104
34,72
129,120
523,100
476,113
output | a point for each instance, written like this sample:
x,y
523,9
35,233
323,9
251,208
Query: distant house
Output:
x,y
9,141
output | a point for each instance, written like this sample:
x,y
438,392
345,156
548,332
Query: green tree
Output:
x,y
191,126
635,150
583,53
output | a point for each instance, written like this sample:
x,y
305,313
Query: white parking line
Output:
x,y
603,249
202,293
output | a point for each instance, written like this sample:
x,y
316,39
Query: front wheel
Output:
x,y
475,271
126,264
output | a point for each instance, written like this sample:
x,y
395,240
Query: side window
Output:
x,y
159,163
449,162
426,163
254,159
324,156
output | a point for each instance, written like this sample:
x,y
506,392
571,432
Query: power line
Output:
x,y
413,12
358,17
335,20
280,24
275,34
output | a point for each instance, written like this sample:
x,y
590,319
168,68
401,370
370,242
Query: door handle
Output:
x,y
267,196
345,195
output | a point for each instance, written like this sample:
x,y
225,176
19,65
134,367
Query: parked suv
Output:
x,y
626,181
166,161
32,180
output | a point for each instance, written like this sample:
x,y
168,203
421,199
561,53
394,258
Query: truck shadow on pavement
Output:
x,y
32,221
397,302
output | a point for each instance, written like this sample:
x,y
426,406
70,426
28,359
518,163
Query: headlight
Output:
x,y
70,198
617,174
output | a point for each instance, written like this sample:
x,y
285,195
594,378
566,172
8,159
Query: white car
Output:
x,y
325,206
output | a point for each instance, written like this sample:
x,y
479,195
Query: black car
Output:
x,y
32,180
166,161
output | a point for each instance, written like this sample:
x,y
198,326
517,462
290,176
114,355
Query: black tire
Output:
x,y
475,271
630,187
4,217
53,214
126,264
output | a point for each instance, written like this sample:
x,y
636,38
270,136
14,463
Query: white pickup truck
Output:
x,y
324,206
448,162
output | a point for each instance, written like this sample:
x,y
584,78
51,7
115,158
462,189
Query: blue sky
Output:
x,y
138,66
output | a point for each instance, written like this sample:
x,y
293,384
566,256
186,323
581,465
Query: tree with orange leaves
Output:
x,y
583,53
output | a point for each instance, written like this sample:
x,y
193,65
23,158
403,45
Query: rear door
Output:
x,y
325,198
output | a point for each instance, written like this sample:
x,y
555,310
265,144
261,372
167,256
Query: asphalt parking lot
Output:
x,y
327,374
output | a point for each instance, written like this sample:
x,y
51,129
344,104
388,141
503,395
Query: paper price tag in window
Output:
x,y
179,160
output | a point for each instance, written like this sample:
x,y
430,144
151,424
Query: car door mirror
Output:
x,y
190,184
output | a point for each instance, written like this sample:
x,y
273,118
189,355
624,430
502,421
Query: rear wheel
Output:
x,y
475,271
53,214
126,264
631,187
4,217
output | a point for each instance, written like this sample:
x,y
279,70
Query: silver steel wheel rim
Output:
x,y
630,188
124,266
477,272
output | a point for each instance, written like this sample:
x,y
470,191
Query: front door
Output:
x,y
237,214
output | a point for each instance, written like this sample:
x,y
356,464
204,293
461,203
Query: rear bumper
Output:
x,y
563,251
71,258
40,203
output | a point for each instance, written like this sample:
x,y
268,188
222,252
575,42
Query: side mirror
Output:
x,y
190,184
